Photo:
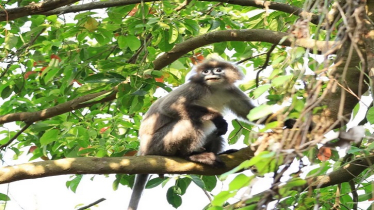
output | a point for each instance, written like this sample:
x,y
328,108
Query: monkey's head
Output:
x,y
214,72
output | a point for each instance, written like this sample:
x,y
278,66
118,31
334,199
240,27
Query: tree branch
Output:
x,y
253,35
92,204
77,103
126,165
52,7
93,5
344,174
15,136
33,8
274,6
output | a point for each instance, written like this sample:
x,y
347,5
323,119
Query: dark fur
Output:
x,y
188,122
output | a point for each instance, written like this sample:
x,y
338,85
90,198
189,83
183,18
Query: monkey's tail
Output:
x,y
140,181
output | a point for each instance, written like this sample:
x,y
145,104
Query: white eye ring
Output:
x,y
218,71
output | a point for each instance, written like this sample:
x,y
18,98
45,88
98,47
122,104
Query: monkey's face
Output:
x,y
216,73
214,76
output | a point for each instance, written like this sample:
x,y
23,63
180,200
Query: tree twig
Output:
x,y
354,194
15,136
92,204
266,62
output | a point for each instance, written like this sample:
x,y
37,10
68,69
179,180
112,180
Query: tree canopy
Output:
x,y
76,77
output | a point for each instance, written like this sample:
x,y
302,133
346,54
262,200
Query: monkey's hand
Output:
x,y
289,123
220,124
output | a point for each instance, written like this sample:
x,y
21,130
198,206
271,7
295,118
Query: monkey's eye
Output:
x,y
218,71
206,71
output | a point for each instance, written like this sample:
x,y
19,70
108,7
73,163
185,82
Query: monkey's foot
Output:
x,y
207,158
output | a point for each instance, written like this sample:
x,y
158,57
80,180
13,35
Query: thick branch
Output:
x,y
93,5
126,165
274,6
77,103
33,8
344,174
262,35
49,8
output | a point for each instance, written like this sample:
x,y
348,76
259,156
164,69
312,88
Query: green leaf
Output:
x,y
49,136
164,44
4,197
355,110
222,197
99,38
154,182
261,111
365,197
116,183
220,47
299,52
10,41
199,182
122,42
182,184
370,115
104,78
51,74
239,182
295,182
73,184
173,33
5,93
133,42
238,46
4,140
260,90
210,182
216,208
81,136
173,197
353,150
281,80
192,26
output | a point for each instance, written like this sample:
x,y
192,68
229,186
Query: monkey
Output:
x,y
188,122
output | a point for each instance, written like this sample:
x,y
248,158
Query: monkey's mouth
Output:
x,y
212,78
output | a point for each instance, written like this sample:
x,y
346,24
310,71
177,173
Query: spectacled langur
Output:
x,y
188,122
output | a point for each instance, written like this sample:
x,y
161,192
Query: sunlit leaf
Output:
x,y
49,136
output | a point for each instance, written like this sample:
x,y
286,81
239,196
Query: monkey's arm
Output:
x,y
200,113
240,104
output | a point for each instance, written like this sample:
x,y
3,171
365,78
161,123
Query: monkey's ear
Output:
x,y
190,74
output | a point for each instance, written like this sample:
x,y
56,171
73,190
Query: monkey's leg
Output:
x,y
214,144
